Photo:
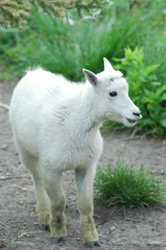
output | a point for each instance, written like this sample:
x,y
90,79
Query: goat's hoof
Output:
x,y
67,205
63,239
97,243
45,228
92,244
57,240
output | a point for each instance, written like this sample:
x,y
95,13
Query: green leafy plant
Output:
x,y
124,184
146,91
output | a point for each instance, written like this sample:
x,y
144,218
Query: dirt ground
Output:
x,y
130,229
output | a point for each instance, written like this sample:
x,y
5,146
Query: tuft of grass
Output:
x,y
134,188
13,244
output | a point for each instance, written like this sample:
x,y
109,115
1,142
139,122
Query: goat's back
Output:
x,y
38,92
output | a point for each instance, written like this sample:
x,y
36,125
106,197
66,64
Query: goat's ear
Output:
x,y
107,65
91,77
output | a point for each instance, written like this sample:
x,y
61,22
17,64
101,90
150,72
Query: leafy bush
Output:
x,y
146,91
130,187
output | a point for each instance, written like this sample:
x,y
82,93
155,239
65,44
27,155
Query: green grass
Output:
x,y
62,48
132,187
13,244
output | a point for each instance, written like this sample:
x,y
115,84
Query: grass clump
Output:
x,y
123,184
13,244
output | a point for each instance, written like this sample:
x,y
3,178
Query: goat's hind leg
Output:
x,y
53,187
43,204
84,183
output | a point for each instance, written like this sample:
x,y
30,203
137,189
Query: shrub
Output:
x,y
146,91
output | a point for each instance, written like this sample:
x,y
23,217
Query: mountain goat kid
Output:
x,y
56,128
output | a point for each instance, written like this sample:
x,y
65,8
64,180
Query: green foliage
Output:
x,y
146,90
127,185
55,45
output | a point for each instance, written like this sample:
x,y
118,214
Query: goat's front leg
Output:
x,y
84,183
53,187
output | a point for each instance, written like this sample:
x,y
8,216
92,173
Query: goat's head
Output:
x,y
111,93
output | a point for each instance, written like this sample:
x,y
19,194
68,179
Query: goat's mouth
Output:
x,y
131,121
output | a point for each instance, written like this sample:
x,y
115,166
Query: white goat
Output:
x,y
56,128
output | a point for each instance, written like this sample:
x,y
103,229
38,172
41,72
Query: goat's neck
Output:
x,y
88,116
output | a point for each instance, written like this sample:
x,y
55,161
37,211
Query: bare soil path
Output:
x,y
130,229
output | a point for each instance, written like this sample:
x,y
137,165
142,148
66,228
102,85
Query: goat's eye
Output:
x,y
112,79
113,94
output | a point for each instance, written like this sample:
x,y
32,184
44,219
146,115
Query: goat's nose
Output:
x,y
137,114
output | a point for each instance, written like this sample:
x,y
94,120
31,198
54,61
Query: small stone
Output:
x,y
101,241
112,228
136,243
154,243
24,235
4,147
162,172
72,203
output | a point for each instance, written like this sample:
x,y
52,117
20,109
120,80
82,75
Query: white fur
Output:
x,y
56,128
